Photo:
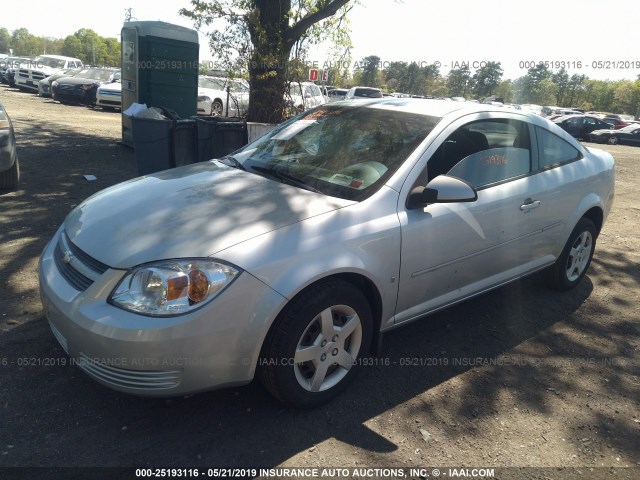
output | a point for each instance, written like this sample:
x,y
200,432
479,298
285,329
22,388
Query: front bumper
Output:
x,y
69,95
215,346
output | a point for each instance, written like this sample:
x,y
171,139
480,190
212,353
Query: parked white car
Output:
x,y
212,96
109,95
30,73
304,95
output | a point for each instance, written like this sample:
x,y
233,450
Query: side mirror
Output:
x,y
442,189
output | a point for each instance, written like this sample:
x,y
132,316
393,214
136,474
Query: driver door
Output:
x,y
451,251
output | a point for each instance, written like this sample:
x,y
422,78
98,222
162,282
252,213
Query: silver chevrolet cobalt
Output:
x,y
288,259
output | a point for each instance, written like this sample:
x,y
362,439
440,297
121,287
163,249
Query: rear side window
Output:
x,y
553,150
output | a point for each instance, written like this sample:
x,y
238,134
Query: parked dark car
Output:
x,y
628,135
81,88
580,126
615,123
9,168
44,86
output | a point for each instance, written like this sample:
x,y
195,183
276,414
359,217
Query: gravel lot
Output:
x,y
520,377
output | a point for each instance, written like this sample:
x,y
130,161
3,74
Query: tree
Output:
x,y
264,32
25,44
626,96
487,78
458,81
536,86
561,79
369,66
505,91
5,40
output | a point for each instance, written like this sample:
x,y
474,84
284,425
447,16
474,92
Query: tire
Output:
x,y
311,352
613,141
9,178
217,109
573,263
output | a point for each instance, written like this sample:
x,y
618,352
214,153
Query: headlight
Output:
x,y
172,287
55,83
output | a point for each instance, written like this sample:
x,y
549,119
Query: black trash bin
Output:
x,y
153,144
185,142
219,136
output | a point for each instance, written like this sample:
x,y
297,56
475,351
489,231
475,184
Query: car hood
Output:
x,y
111,87
46,70
192,211
77,81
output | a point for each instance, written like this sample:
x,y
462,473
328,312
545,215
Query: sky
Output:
x,y
591,37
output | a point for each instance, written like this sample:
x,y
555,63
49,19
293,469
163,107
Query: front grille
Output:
x,y
38,75
69,268
130,379
70,274
107,93
89,261
23,73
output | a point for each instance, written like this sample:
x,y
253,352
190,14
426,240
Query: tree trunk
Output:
x,y
268,85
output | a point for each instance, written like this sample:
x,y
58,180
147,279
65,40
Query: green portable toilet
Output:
x,y
159,68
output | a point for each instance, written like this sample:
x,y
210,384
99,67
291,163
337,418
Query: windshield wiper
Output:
x,y
232,162
285,178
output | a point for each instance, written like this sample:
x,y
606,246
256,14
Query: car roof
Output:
x,y
435,108
59,57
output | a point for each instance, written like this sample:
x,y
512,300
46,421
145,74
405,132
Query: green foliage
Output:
x,y
412,78
487,78
85,44
5,40
459,81
269,39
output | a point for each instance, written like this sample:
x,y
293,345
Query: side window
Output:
x,y
553,150
484,152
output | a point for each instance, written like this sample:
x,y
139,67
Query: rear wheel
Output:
x,y
9,178
613,141
217,108
313,349
572,264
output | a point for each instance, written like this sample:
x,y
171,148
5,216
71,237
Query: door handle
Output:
x,y
529,205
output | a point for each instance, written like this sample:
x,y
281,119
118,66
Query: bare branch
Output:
x,y
300,27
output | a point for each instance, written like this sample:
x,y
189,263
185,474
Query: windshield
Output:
x,y
368,92
51,62
342,151
213,83
95,74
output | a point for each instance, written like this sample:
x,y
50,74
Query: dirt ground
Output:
x,y
520,377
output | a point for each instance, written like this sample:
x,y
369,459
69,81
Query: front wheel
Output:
x,y
314,347
612,141
572,264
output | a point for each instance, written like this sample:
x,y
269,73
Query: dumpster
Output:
x,y
219,136
185,142
153,144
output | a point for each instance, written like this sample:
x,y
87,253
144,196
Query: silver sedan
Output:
x,y
288,259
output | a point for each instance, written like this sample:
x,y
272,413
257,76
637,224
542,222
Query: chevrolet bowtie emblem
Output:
x,y
67,257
